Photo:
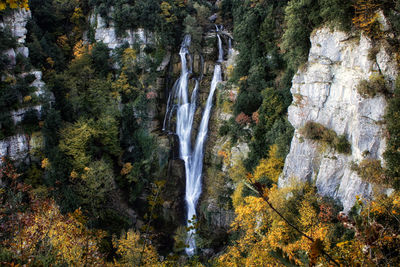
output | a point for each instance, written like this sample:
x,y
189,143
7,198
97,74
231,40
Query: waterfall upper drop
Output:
x,y
179,100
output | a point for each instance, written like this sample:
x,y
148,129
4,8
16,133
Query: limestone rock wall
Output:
x,y
16,23
18,146
325,91
107,33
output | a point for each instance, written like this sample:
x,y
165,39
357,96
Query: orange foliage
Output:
x,y
45,227
366,16
81,48
242,119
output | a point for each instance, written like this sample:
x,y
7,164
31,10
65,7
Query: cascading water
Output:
x,y
178,99
193,184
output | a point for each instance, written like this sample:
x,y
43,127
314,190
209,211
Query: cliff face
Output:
x,y
17,147
325,91
108,34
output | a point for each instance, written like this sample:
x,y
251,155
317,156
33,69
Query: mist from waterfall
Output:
x,y
178,100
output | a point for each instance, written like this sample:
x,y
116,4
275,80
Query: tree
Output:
x,y
14,4
133,252
366,16
34,232
46,231
96,184
269,168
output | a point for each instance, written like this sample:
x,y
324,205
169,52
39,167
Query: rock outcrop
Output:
x,y
16,23
18,146
325,91
107,33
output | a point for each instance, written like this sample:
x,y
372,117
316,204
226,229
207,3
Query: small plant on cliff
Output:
x,y
370,88
370,170
318,132
392,153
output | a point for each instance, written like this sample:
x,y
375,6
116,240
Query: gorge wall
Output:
x,y
325,91
18,146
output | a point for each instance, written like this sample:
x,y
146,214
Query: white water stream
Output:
x,y
178,99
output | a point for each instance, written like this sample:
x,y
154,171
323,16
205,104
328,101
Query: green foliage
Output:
x,y
318,132
30,121
272,128
217,188
302,17
7,127
52,32
391,10
236,131
370,170
342,145
195,31
164,18
375,85
260,65
101,59
296,39
96,185
88,139
392,153
180,239
337,13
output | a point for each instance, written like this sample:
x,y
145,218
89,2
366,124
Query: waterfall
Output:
x,y
193,182
178,99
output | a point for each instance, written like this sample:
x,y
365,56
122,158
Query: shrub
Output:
x,y
392,153
370,88
370,170
342,145
101,58
366,17
318,132
7,127
242,119
224,129
30,121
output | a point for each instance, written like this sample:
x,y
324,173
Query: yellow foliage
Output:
x,y
70,240
75,138
10,80
77,16
166,12
229,70
263,232
121,85
128,59
366,16
133,252
62,42
50,61
80,49
237,172
127,168
14,4
74,175
308,215
237,196
271,167
27,98
45,163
